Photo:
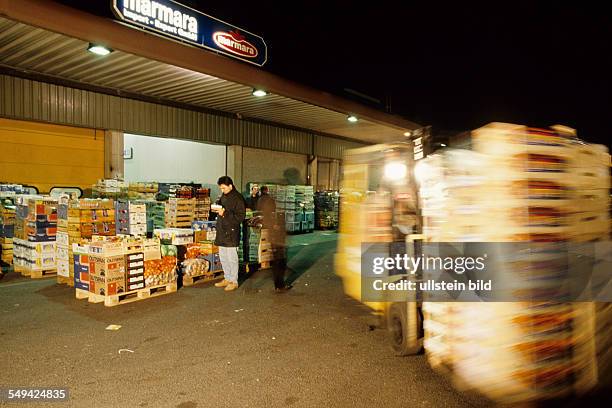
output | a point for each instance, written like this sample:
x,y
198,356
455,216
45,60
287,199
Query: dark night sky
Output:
x,y
454,66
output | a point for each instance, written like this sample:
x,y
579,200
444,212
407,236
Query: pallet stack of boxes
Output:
x,y
107,270
180,212
590,169
80,266
285,203
19,232
35,254
110,189
131,218
517,185
252,248
304,203
78,222
156,215
327,209
202,204
133,250
7,231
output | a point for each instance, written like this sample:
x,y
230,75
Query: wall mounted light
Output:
x,y
99,49
259,92
352,118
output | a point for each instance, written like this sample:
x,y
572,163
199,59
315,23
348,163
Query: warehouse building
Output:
x,y
179,97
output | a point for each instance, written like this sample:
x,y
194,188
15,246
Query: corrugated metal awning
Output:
x,y
38,50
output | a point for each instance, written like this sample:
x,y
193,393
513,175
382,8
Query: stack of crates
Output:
x,y
292,215
156,215
79,267
202,204
131,218
304,202
78,222
134,264
517,185
326,209
19,232
180,212
107,267
41,235
7,231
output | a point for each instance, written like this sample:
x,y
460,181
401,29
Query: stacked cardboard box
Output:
x,y
517,185
174,236
304,203
35,235
34,257
42,220
80,266
134,267
110,188
204,230
107,268
7,231
156,215
78,222
266,251
10,190
202,204
131,218
180,212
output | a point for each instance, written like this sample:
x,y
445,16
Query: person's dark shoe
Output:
x,y
283,290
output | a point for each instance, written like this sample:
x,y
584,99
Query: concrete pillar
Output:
x,y
234,166
312,171
113,154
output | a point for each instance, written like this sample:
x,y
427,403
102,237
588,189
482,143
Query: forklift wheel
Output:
x,y
397,323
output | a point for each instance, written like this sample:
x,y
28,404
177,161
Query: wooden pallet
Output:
x,y
65,280
45,273
128,297
81,294
208,277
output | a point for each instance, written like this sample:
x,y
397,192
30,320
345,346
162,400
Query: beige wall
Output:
x,y
270,166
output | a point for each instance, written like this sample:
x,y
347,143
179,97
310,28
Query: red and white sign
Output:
x,y
235,43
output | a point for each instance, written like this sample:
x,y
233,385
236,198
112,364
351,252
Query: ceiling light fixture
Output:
x,y
99,49
259,92
408,133
352,118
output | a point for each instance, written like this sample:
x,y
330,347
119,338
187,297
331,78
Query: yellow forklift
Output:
x,y
379,205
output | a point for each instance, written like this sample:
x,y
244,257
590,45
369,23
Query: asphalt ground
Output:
x,y
202,347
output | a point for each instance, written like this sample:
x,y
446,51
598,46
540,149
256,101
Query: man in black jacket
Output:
x,y
230,215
